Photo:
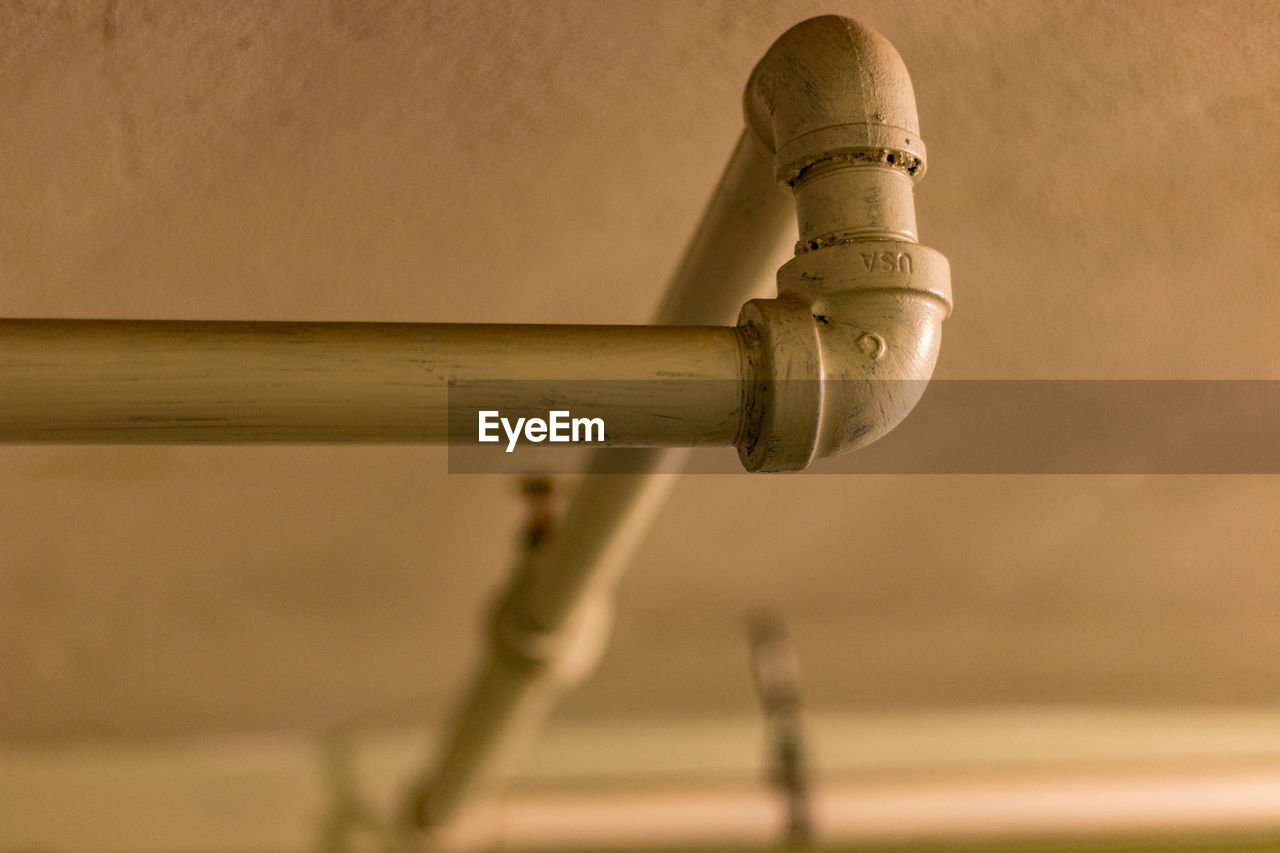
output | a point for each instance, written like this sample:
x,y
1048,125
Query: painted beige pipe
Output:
x,y
844,352
547,632
552,622
862,303
184,382
119,381
731,254
838,359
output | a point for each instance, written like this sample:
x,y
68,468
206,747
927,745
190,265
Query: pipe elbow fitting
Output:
x,y
830,86
843,354
845,351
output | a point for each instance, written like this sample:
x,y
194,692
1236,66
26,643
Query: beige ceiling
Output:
x,y
1103,178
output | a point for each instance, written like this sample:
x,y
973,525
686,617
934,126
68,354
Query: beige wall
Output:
x,y
1101,178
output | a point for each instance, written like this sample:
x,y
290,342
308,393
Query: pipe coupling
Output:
x,y
564,654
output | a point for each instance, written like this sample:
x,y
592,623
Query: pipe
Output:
x,y
118,381
547,631
185,382
551,623
732,253
845,351
836,360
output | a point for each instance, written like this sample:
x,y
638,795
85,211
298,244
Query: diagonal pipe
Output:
x,y
839,358
836,360
551,623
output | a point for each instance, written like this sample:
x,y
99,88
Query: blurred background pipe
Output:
x,y
833,102
552,621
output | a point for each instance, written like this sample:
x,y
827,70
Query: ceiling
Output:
x,y
1101,179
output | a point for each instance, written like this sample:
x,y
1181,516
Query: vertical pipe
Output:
x,y
743,231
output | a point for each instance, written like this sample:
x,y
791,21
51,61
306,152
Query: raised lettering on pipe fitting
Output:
x,y
844,352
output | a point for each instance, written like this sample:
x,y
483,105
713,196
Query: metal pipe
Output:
x,y
861,303
845,351
147,382
552,623
841,323
548,630
737,246
184,382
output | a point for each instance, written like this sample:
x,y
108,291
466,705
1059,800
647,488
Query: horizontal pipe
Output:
x,y
180,382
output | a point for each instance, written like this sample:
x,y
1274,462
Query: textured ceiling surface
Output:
x,y
1101,179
